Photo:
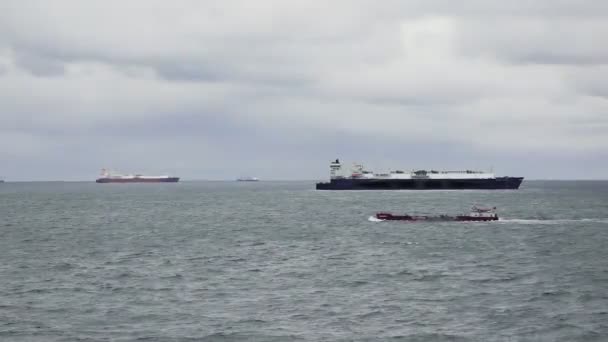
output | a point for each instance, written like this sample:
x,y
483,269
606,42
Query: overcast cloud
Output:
x,y
276,89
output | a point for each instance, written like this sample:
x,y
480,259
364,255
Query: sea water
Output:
x,y
279,261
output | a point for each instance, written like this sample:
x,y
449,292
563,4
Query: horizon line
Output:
x,y
274,180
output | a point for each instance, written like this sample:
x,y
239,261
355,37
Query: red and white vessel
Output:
x,y
476,214
108,177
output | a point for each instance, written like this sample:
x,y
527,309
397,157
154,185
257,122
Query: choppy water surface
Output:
x,y
224,261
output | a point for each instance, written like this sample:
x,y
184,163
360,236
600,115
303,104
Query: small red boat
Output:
x,y
476,214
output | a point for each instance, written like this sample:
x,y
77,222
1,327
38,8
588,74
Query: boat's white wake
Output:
x,y
374,219
553,221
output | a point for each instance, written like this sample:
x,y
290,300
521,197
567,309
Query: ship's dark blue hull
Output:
x,y
422,184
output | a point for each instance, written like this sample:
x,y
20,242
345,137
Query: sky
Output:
x,y
277,89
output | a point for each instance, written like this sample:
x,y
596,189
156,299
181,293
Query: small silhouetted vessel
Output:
x,y
361,179
108,177
476,214
247,179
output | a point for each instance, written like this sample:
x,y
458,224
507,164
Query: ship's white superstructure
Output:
x,y
483,212
358,172
110,175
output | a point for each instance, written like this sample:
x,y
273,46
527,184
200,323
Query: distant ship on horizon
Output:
x,y
361,179
247,179
109,177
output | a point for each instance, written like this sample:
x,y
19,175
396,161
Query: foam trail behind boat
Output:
x,y
553,221
374,219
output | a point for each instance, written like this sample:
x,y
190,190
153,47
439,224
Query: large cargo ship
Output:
x,y
108,177
361,179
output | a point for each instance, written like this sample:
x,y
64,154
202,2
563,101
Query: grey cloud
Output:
x,y
39,65
594,87
559,57
193,72
538,39
213,66
484,8
598,90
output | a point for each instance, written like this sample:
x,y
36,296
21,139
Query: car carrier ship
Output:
x,y
108,177
361,179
